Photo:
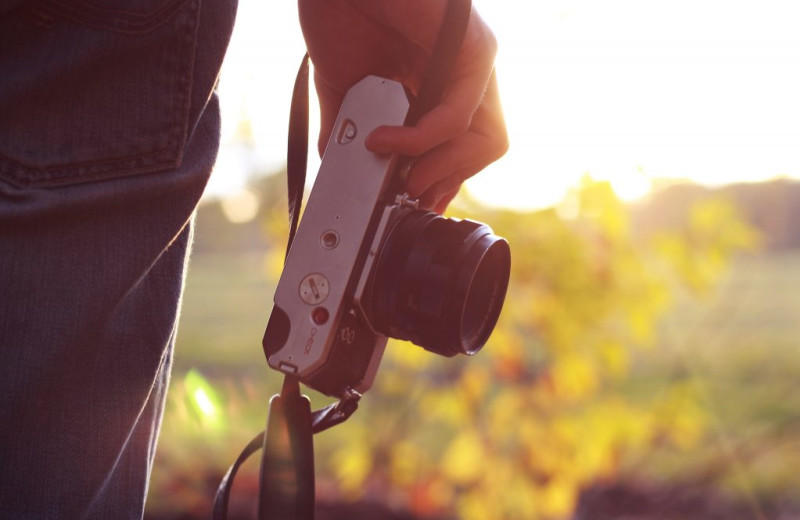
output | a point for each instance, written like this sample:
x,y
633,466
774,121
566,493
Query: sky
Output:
x,y
621,90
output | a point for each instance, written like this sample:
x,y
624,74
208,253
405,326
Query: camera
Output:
x,y
367,263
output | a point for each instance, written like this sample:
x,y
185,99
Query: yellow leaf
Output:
x,y
558,498
353,463
574,377
405,464
464,460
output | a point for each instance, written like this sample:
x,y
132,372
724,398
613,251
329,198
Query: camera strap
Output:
x,y
286,480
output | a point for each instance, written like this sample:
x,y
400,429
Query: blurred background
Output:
x,y
646,362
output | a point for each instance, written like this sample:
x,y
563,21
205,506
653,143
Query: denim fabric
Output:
x,y
108,131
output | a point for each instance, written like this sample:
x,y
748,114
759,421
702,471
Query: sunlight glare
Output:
x,y
240,207
701,91
204,403
630,187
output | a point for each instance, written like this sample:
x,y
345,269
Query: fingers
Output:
x,y
471,74
449,165
441,205
438,172
438,199
448,120
451,118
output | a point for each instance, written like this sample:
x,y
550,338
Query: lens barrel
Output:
x,y
439,283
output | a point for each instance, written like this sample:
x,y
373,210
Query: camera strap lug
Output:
x,y
336,413
405,201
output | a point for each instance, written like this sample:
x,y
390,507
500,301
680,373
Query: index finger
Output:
x,y
453,116
448,120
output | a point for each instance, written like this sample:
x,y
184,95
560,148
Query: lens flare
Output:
x,y
203,403
202,400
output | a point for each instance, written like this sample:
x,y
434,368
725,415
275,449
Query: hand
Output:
x,y
350,39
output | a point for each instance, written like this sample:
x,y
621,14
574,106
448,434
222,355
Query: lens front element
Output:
x,y
440,283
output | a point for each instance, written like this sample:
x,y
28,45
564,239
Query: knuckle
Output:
x,y
498,138
460,124
501,145
490,44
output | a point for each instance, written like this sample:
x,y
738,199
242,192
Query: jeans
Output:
x,y
109,127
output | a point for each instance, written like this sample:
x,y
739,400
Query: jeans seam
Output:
x,y
115,20
59,175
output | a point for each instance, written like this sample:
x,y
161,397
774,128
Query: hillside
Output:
x,y
773,207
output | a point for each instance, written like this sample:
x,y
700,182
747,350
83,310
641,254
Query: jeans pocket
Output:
x,y
89,92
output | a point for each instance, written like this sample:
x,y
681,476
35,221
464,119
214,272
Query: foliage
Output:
x,y
515,432
519,430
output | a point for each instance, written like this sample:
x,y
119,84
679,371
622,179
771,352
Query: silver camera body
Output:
x,y
366,263
325,263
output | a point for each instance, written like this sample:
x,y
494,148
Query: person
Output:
x,y
109,127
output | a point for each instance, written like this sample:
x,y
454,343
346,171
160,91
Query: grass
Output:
x,y
737,349
226,305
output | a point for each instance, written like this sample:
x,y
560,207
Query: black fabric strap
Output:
x,y
437,73
220,510
297,148
287,414
286,481
287,466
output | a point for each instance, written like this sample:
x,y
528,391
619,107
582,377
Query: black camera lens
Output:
x,y
439,283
